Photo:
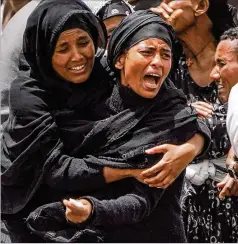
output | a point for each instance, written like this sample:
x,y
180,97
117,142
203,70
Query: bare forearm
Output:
x,y
114,174
197,143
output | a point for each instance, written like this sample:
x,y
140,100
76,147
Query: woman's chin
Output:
x,y
149,94
79,79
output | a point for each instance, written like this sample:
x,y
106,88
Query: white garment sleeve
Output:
x,y
232,118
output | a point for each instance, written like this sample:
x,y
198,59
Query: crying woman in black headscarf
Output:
x,y
143,110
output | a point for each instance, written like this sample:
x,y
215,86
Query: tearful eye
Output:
x,y
83,44
62,50
146,52
166,55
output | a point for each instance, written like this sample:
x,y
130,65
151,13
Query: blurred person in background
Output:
x,y
233,2
112,13
12,61
144,4
10,8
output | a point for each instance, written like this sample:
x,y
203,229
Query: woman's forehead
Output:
x,y
153,42
74,31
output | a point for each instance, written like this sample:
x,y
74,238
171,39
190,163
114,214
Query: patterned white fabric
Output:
x,y
198,173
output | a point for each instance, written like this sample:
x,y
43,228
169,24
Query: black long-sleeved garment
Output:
x,y
120,141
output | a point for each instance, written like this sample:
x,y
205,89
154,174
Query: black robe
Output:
x,y
132,125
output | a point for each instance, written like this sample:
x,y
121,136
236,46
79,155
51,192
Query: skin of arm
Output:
x,y
114,174
231,157
229,186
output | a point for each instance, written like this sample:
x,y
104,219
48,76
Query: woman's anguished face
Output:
x,y
74,55
145,66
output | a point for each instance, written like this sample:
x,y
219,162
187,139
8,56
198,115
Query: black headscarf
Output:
x,y
136,27
44,25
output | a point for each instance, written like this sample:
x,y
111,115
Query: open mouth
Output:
x,y
151,81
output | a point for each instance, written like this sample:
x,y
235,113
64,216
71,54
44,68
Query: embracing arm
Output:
x,y
176,158
32,148
74,174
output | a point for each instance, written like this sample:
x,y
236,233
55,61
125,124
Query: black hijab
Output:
x,y
136,27
44,25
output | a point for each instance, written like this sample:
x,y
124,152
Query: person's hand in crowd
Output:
x,y
231,160
174,161
77,211
169,9
203,109
229,187
163,10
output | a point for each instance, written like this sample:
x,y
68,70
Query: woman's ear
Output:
x,y
202,7
120,61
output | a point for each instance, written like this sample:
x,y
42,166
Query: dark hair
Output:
x,y
231,34
220,13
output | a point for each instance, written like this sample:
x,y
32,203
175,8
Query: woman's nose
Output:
x,y
215,74
157,61
76,55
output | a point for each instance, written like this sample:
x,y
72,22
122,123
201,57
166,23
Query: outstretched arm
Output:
x,y
127,209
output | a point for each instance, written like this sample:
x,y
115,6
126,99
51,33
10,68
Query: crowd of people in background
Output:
x,y
119,121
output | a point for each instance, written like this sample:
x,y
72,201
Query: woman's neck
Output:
x,y
199,45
